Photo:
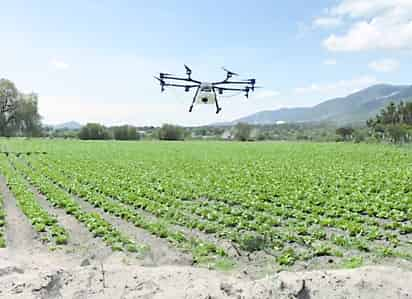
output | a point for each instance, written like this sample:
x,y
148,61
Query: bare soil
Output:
x,y
117,280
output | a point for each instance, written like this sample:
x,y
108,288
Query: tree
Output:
x,y
398,133
345,132
171,132
243,131
394,121
125,133
94,131
18,112
8,100
26,120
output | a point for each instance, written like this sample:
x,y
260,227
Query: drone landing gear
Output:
x,y
218,109
194,99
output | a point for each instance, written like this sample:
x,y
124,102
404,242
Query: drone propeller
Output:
x,y
255,87
188,70
160,80
162,83
230,73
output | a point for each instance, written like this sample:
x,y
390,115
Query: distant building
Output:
x,y
228,134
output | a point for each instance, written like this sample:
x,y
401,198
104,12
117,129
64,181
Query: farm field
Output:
x,y
263,206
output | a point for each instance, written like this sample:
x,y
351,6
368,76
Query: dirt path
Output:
x,y
131,281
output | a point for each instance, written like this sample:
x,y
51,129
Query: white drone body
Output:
x,y
206,96
206,92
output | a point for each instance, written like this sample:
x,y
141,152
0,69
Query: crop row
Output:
x,y
201,250
93,221
41,221
224,218
173,211
275,237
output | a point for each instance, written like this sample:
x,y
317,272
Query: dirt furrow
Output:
x,y
20,235
82,246
161,253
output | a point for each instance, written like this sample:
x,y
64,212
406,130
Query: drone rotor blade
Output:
x,y
188,69
230,72
162,83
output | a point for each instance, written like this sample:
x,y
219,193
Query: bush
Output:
x,y
94,131
171,132
125,133
243,132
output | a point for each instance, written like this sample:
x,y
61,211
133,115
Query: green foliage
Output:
x,y
94,131
94,222
18,112
353,262
295,201
243,132
42,222
287,258
345,132
125,133
394,121
171,132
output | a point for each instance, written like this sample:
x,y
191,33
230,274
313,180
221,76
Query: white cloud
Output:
x,y
378,24
385,65
339,88
330,62
59,64
327,22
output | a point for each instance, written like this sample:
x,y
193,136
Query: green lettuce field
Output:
x,y
224,204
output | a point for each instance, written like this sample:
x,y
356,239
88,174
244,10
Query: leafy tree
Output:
x,y
18,112
171,132
345,132
94,131
125,133
243,131
27,120
9,96
395,122
397,133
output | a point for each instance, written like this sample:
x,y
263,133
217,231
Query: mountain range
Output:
x,y
354,108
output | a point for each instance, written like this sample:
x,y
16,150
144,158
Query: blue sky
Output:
x,y
94,60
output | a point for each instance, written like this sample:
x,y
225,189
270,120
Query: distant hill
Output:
x,y
72,125
355,108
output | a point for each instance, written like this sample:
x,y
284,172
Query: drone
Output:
x,y
206,92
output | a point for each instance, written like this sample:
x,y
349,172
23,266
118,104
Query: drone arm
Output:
x,y
232,82
181,79
232,89
180,85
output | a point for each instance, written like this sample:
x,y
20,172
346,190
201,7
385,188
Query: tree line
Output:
x,y
394,123
95,131
19,116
